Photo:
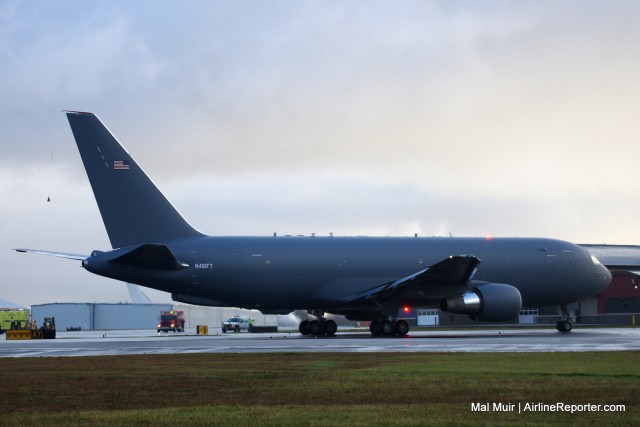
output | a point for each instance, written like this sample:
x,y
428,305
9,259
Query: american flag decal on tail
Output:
x,y
120,165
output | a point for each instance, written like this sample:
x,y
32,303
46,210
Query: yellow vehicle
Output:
x,y
12,319
31,332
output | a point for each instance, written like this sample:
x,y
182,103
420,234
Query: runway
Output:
x,y
91,343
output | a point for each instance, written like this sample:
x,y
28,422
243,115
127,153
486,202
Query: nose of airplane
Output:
x,y
601,276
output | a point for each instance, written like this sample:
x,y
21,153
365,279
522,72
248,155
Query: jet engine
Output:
x,y
489,302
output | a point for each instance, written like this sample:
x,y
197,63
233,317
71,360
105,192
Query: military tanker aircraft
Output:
x,y
363,278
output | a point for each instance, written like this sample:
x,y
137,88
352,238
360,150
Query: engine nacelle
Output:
x,y
489,302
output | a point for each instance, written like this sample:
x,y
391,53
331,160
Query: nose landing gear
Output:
x,y
564,324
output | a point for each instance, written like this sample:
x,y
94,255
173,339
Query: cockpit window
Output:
x,y
595,260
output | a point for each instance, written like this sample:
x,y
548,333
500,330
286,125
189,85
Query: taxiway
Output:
x,y
91,343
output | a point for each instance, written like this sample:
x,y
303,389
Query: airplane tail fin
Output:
x,y
133,209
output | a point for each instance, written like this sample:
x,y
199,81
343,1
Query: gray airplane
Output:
x,y
363,278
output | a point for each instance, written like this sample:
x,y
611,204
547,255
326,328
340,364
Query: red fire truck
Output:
x,y
171,321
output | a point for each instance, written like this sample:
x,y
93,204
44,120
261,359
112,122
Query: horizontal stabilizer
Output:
x,y
56,254
156,257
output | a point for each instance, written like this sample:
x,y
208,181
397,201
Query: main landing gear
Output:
x,y
318,327
379,327
564,324
387,327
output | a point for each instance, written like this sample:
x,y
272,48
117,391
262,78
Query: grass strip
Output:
x,y
318,389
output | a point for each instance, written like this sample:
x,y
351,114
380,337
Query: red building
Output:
x,y
622,295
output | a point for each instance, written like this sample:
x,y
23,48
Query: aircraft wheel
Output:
x,y
375,327
304,327
315,328
564,326
386,328
330,328
401,328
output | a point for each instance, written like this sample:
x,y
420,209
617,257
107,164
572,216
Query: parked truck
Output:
x,y
12,319
237,324
171,320
30,331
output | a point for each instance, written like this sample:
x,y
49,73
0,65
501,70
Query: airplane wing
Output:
x,y
451,272
56,254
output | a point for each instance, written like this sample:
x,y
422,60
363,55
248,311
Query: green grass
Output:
x,y
317,389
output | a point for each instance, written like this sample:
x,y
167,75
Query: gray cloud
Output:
x,y
509,118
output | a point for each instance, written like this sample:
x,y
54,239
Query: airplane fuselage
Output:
x,y
280,274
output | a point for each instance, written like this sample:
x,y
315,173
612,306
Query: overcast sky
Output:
x,y
297,117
